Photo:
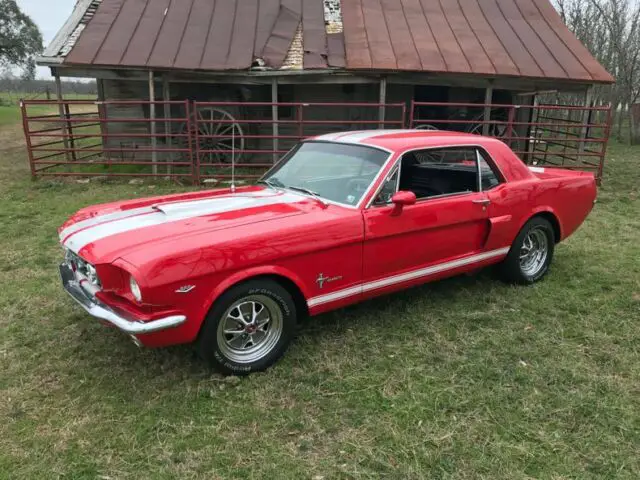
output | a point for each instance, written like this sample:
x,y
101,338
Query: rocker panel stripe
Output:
x,y
405,277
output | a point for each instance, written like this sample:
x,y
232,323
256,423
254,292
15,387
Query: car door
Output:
x,y
440,228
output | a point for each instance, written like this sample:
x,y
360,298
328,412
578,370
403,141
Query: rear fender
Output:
x,y
500,232
504,229
548,210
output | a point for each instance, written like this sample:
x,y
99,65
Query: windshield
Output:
x,y
333,171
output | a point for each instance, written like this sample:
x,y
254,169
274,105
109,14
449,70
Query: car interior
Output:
x,y
438,172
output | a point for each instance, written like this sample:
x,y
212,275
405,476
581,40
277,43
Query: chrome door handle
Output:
x,y
482,201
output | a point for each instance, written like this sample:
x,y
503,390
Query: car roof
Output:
x,y
395,140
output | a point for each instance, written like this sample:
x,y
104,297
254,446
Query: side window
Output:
x,y
437,172
487,173
388,190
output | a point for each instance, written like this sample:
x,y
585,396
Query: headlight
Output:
x,y
135,289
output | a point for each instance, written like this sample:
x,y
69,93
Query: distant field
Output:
x,y
10,101
13,98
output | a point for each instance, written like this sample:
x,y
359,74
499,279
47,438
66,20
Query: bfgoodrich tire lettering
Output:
x,y
248,328
531,253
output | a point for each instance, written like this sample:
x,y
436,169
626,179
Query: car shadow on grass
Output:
x,y
113,353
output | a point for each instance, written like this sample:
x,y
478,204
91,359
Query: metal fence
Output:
x,y
257,134
90,138
199,141
561,136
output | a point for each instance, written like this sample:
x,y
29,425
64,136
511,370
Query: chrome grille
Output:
x,y
81,266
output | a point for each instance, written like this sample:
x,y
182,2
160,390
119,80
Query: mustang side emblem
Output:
x,y
185,289
321,280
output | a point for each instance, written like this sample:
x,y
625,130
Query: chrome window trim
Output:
x,y
493,165
333,202
478,171
394,170
444,195
436,147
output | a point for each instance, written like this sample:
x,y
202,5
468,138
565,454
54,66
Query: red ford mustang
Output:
x,y
340,219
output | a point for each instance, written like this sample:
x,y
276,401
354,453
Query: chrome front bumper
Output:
x,y
103,312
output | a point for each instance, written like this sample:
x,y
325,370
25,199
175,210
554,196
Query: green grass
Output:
x,y
466,378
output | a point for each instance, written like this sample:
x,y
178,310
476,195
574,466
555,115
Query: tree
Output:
x,y
20,38
29,71
611,31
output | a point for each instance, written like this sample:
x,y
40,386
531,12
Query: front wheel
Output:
x,y
531,253
249,328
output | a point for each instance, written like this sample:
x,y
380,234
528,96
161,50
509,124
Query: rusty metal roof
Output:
x,y
489,37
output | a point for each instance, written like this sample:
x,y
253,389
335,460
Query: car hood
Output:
x,y
104,233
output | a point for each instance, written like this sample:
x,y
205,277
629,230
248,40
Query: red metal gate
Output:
x,y
560,136
197,140
261,132
114,138
201,140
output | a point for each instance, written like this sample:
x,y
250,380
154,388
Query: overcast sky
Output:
x,y
49,15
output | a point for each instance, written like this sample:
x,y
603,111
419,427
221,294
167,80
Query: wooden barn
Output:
x,y
258,68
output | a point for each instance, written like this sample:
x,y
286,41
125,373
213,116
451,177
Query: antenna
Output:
x,y
233,158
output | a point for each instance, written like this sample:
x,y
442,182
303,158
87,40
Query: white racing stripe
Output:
x,y
109,217
405,277
360,136
102,227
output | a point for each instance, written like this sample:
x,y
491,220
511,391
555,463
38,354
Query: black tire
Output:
x,y
225,352
514,269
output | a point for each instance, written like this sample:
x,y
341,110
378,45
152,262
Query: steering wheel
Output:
x,y
356,187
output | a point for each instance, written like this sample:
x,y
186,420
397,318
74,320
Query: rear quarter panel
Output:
x,y
568,196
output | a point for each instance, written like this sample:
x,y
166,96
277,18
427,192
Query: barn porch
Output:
x,y
191,82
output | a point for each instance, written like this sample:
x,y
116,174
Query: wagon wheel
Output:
x,y
427,127
219,133
497,130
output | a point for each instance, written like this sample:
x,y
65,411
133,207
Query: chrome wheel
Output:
x,y
250,328
534,252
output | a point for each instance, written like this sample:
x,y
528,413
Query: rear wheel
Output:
x,y
249,327
531,253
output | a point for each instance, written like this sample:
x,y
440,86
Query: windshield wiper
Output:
x,y
273,183
315,195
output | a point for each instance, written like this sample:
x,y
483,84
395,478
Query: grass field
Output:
x,y
10,111
467,378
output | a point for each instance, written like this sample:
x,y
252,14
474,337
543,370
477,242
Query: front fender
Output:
x,y
242,275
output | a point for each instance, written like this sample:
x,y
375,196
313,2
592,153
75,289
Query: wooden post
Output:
x,y
103,113
168,139
63,124
586,119
533,131
152,119
488,100
274,118
382,113
72,142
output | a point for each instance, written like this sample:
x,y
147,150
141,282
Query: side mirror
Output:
x,y
400,199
